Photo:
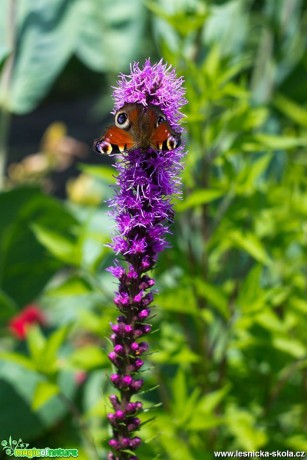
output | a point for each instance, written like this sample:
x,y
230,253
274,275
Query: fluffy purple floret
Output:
x,y
155,84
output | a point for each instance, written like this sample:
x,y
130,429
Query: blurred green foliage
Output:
x,y
230,343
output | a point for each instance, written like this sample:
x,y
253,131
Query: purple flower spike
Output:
x,y
147,181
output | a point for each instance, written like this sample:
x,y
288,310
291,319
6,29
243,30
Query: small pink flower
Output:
x,y
80,377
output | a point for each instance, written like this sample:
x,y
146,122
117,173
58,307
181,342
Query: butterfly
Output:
x,y
137,127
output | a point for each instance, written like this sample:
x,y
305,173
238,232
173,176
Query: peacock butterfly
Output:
x,y
138,127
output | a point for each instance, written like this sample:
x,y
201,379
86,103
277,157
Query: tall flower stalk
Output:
x,y
142,209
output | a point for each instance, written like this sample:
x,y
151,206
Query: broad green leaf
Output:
x,y
198,198
58,244
73,286
17,387
44,392
230,35
20,250
116,29
46,40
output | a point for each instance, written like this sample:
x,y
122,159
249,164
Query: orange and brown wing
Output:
x,y
115,140
164,137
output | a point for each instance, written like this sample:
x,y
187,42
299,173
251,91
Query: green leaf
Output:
x,y
253,173
112,40
4,31
290,346
58,244
251,244
280,142
184,401
101,172
213,294
24,262
36,343
16,358
294,111
44,392
211,400
182,20
297,442
180,300
46,39
7,306
87,358
52,346
242,425
17,387
74,286
230,35
199,198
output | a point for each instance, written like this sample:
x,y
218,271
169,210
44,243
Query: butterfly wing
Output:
x,y
164,137
137,126
114,140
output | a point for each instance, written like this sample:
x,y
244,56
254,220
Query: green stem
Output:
x,y
5,84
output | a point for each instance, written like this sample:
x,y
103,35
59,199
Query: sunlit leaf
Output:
x,y
88,357
251,244
198,198
295,111
101,172
60,246
280,142
44,392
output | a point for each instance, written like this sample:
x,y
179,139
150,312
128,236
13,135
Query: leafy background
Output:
x,y
230,344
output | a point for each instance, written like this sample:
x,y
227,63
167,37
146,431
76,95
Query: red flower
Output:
x,y
31,314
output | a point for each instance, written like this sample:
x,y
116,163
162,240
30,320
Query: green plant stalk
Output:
x,y
5,83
